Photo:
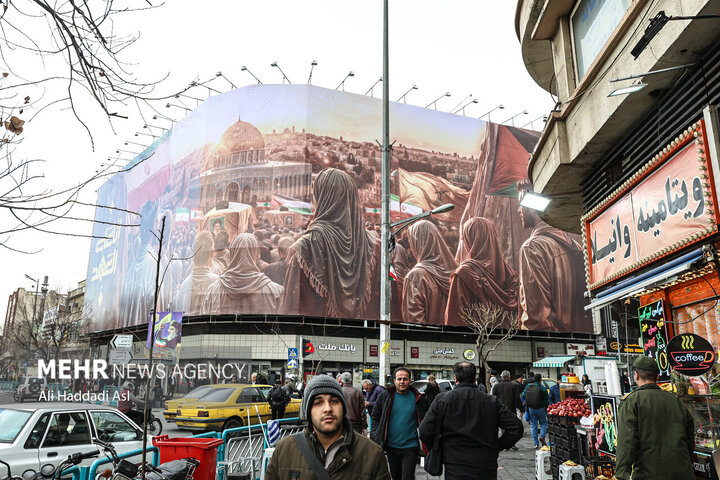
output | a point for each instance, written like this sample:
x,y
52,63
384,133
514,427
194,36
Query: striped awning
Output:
x,y
557,361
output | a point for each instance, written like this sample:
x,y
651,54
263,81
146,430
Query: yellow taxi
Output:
x,y
172,406
229,405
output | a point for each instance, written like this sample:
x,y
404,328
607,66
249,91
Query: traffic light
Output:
x,y
307,348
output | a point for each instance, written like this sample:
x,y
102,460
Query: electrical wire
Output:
x,y
674,322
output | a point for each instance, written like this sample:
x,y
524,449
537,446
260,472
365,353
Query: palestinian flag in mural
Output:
x,y
292,204
396,207
421,191
501,165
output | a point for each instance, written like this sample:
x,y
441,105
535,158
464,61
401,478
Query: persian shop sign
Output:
x,y
667,205
690,354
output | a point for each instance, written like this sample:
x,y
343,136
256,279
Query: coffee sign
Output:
x,y
690,354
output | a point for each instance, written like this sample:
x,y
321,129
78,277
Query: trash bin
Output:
x,y
203,449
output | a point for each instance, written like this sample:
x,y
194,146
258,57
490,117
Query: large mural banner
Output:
x,y
271,198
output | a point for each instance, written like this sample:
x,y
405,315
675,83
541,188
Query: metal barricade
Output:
x,y
88,473
245,451
7,386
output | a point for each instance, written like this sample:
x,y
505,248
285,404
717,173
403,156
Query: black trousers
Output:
x,y
277,412
457,472
402,462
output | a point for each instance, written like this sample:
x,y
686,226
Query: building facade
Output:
x,y
635,125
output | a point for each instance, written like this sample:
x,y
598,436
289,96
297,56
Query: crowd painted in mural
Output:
x,y
268,211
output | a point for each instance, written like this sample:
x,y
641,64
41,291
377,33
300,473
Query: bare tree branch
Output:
x,y
492,326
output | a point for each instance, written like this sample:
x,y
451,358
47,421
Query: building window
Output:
x,y
593,22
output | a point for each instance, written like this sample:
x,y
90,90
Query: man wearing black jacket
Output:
x,y
468,421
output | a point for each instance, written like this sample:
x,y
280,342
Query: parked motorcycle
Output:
x,y
126,470
154,423
49,471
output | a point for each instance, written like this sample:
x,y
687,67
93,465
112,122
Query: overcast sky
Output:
x,y
459,46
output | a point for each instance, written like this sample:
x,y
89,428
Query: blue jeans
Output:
x,y
537,415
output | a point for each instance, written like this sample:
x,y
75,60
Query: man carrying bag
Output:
x,y
467,422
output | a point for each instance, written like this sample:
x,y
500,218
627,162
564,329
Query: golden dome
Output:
x,y
240,137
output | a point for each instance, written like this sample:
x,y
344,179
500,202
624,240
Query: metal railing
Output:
x,y
8,385
243,447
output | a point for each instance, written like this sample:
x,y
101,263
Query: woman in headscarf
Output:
x,y
332,266
242,288
483,276
426,286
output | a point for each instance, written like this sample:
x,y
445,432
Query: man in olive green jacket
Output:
x,y
655,430
343,453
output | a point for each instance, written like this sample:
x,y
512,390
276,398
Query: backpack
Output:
x,y
277,394
532,396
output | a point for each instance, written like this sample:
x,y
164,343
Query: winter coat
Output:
x,y
508,395
655,437
358,458
383,407
355,407
373,395
431,392
470,423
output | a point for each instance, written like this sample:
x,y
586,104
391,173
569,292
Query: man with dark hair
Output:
x,y
535,397
656,433
395,419
507,393
468,422
278,398
551,276
342,453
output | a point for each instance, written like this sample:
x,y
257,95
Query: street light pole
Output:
x,y
384,352
32,321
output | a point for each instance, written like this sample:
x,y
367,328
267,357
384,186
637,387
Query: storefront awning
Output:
x,y
556,362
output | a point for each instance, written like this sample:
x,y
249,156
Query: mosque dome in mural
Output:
x,y
240,137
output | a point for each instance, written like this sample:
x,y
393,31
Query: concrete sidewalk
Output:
x,y
512,465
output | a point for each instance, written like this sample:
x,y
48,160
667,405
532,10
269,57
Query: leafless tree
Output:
x,y
492,325
65,54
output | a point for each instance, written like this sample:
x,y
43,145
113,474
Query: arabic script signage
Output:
x,y
690,354
667,205
654,336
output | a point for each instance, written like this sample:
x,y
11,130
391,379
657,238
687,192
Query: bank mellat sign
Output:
x,y
666,206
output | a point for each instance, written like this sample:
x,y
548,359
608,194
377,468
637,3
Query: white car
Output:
x,y
445,385
35,434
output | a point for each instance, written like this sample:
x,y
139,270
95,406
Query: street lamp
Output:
x,y
434,102
532,122
499,107
512,119
402,97
168,105
137,134
275,64
474,100
534,201
245,69
342,84
370,90
313,64
33,321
